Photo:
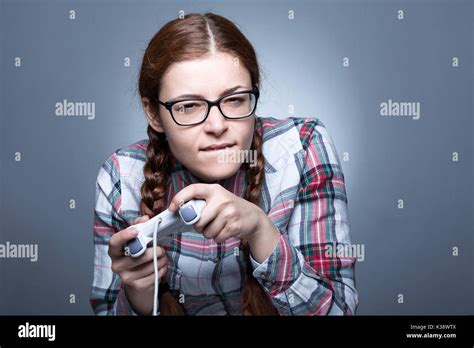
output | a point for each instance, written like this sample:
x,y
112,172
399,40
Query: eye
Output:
x,y
234,100
188,106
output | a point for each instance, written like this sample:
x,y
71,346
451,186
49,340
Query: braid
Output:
x,y
156,172
254,299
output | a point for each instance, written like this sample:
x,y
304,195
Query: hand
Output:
x,y
225,215
136,273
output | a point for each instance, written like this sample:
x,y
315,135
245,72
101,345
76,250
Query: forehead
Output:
x,y
207,76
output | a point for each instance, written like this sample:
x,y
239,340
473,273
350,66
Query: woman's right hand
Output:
x,y
136,273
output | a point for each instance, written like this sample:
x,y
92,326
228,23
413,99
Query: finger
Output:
x,y
148,281
162,273
212,228
223,235
117,241
143,284
208,214
141,219
162,261
130,276
143,271
199,190
126,263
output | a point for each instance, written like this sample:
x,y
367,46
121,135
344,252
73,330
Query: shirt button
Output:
x,y
217,258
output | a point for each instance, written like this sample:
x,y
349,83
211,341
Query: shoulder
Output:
x,y
135,151
124,162
290,135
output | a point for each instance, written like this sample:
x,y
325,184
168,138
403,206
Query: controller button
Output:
x,y
134,246
188,214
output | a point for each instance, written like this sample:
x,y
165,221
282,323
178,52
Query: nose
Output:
x,y
215,122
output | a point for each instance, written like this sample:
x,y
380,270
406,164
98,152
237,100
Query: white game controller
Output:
x,y
166,223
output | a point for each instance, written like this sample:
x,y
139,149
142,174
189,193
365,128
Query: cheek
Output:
x,y
182,149
181,141
247,137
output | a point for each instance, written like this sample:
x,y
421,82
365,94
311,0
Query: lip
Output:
x,y
215,147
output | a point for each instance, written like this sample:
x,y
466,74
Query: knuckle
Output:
x,y
161,265
226,203
227,213
234,226
147,255
225,231
162,271
112,241
125,278
150,255
232,209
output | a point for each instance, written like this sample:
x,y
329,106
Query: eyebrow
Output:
x,y
227,91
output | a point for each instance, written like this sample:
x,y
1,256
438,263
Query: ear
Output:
x,y
152,118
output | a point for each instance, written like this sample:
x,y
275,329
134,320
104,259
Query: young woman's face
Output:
x,y
209,78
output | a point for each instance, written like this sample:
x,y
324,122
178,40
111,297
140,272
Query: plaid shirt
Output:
x,y
303,194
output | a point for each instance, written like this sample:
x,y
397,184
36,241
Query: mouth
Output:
x,y
219,147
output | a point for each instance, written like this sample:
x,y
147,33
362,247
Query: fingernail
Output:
x,y
133,232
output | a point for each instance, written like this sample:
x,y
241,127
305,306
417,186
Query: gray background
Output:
x,y
407,251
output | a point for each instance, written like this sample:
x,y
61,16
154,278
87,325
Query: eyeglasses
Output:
x,y
187,112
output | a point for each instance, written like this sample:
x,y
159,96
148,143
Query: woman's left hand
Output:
x,y
225,215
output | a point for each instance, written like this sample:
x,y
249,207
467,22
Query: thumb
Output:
x,y
141,219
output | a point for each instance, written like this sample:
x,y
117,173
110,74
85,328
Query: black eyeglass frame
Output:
x,y
169,105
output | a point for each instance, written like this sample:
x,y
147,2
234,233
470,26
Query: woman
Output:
x,y
260,247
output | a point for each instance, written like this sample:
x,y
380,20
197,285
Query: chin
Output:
x,y
212,172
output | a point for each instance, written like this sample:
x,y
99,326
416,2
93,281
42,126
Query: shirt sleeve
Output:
x,y
305,275
107,296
